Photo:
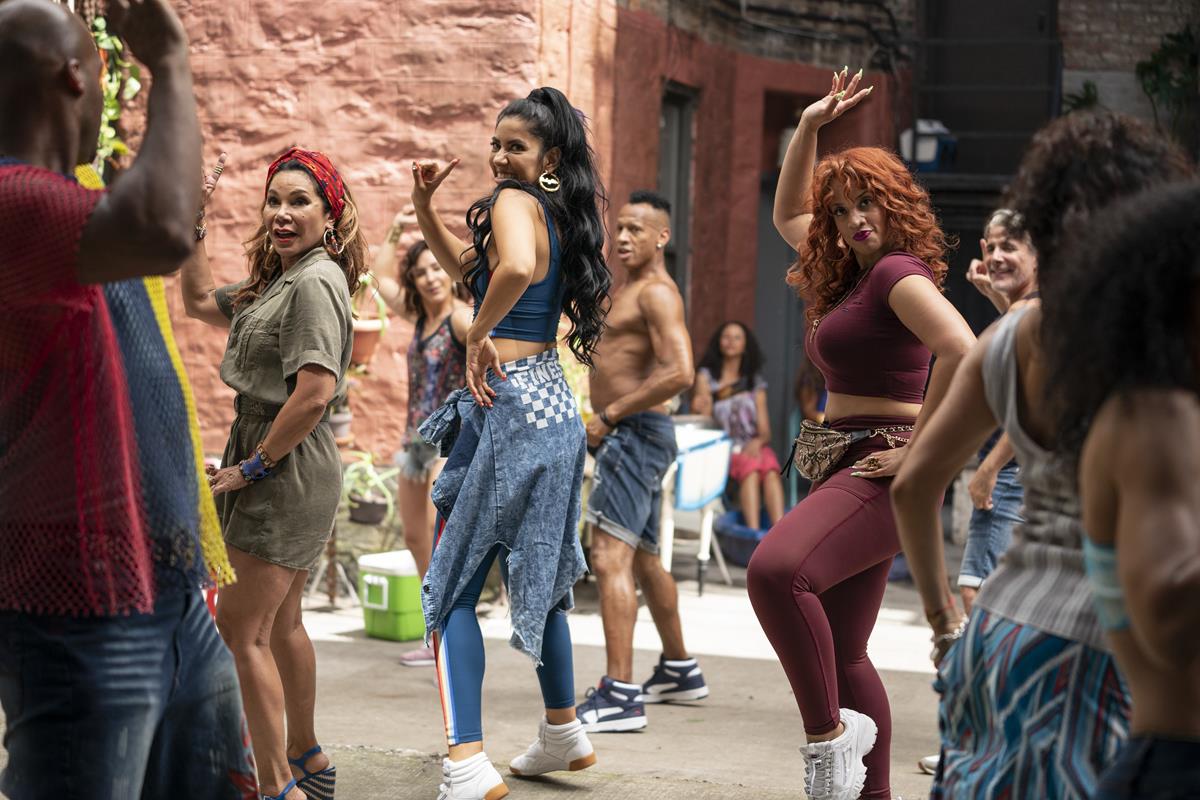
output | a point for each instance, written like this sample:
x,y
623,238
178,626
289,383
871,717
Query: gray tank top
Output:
x,y
1041,580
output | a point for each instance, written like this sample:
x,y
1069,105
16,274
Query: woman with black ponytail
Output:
x,y
513,436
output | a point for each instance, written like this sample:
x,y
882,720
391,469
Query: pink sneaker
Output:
x,y
421,657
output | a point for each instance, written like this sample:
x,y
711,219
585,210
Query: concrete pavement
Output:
x,y
382,722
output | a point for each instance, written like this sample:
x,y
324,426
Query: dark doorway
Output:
x,y
991,73
676,134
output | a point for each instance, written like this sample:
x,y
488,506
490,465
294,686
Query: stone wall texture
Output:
x,y
375,84
379,83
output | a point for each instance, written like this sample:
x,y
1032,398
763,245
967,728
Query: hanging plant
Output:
x,y
1171,79
121,81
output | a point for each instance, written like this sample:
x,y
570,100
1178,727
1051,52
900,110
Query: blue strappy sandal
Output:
x,y
291,785
317,785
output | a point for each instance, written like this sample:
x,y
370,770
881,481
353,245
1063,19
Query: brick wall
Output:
x,y
733,145
375,83
819,32
1103,40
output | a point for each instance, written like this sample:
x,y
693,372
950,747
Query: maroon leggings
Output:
x,y
816,582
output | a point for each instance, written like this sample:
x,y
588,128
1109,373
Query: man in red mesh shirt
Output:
x,y
113,679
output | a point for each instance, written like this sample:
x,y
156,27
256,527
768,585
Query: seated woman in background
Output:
x,y
730,387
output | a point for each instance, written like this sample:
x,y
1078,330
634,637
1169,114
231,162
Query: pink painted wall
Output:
x,y
375,84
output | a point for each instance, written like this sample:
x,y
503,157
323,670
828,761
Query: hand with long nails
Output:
x,y
844,95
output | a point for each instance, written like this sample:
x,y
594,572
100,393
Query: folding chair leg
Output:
x,y
716,550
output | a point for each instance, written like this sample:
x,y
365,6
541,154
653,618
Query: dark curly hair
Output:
x,y
826,271
1080,163
577,211
1124,306
752,356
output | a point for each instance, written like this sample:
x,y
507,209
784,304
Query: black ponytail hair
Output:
x,y
577,212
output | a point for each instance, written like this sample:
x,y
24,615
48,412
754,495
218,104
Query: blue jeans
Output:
x,y
990,531
1153,768
116,708
626,498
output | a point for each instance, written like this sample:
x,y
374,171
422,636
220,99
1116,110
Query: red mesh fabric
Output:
x,y
72,526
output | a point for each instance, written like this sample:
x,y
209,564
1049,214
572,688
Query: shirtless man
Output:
x,y
644,359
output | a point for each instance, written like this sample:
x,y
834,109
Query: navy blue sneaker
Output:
x,y
674,681
612,707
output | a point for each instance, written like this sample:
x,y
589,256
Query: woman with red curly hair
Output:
x,y
871,266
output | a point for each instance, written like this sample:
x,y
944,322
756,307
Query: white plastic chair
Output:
x,y
704,509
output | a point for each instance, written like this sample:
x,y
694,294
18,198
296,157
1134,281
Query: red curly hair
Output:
x,y
827,270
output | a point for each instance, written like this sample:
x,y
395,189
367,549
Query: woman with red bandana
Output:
x,y
278,488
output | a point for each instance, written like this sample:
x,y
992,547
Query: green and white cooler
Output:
x,y
391,596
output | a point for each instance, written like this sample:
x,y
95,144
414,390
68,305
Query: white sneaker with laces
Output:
x,y
834,770
471,779
558,747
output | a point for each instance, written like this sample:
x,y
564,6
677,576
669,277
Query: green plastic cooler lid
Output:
x,y
395,562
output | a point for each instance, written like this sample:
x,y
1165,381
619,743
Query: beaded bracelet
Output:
x,y
253,469
943,641
267,461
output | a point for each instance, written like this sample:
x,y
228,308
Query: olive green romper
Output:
x,y
302,318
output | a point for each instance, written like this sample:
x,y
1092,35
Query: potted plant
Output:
x,y
368,331
340,419
365,491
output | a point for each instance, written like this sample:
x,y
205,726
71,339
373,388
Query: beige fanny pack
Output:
x,y
818,449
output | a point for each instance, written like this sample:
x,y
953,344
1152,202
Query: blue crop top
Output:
x,y
534,317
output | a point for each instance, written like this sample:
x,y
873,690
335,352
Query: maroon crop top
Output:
x,y
862,347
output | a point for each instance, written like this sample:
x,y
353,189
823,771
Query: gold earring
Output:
x,y
549,182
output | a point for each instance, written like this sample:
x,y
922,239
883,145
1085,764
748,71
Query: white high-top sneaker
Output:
x,y
834,770
472,779
558,747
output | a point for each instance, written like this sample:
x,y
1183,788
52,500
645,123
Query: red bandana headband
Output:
x,y
318,165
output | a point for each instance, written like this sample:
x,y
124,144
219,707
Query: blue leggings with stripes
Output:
x,y
460,660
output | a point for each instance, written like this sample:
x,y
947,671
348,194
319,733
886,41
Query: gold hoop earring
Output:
x,y
330,240
549,183
267,245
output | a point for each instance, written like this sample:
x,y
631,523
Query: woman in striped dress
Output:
x,y
1032,704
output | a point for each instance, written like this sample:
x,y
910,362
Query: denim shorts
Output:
x,y
626,498
1153,768
990,531
117,708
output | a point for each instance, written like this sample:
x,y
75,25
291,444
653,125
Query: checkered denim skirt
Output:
x,y
512,477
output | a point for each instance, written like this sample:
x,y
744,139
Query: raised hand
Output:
x,y
843,96
211,178
150,28
427,178
405,217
